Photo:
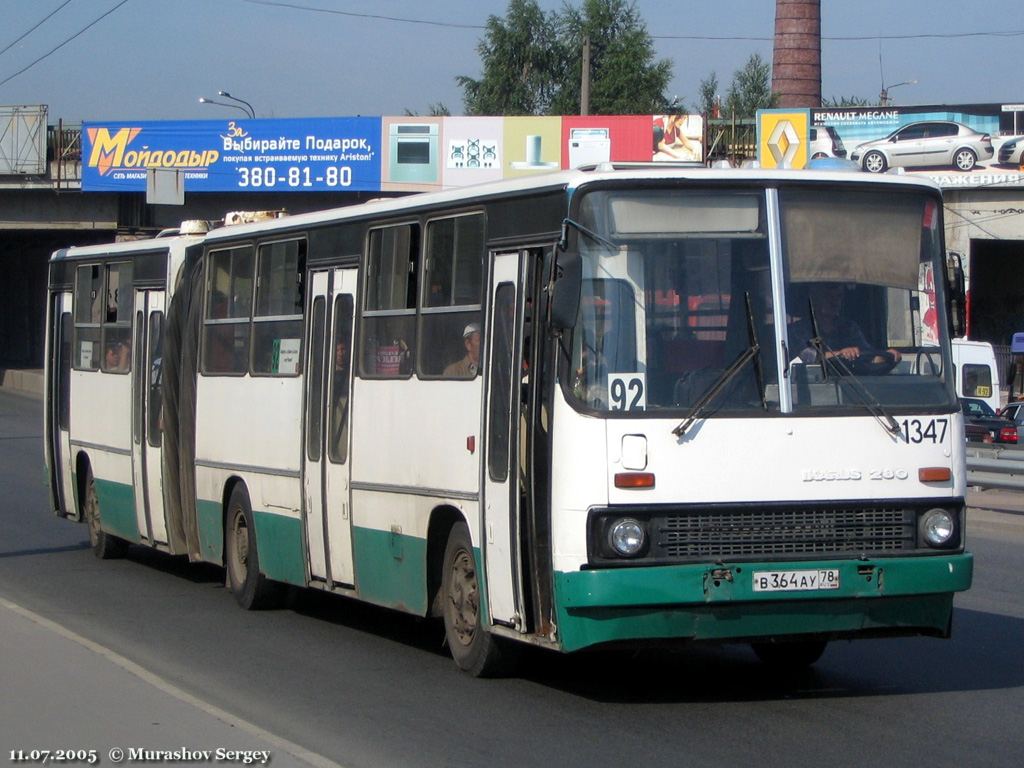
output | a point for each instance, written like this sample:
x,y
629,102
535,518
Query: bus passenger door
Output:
x,y
147,414
501,531
60,403
326,464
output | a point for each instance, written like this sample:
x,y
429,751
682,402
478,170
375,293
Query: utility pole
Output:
x,y
585,81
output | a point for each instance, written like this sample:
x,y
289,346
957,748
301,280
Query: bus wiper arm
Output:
x,y
874,407
589,233
816,341
863,393
754,345
752,352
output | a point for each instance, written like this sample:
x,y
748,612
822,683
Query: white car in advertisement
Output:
x,y
928,143
1011,152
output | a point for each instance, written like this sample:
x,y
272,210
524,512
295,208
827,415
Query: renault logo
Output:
x,y
783,143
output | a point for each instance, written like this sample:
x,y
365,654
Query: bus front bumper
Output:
x,y
876,597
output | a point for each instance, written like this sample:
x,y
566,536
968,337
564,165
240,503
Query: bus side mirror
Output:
x,y
957,294
565,286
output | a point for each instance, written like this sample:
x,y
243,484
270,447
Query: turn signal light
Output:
x,y
634,480
934,474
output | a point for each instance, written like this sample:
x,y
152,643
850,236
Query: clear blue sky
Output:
x,y
153,59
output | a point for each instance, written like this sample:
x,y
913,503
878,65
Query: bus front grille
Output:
x,y
783,532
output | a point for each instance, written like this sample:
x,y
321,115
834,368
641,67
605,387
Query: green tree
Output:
x,y
708,98
520,64
848,101
625,78
439,109
532,62
751,89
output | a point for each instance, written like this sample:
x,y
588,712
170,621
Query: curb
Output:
x,y
28,381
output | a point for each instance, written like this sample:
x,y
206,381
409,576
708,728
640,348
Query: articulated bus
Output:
x,y
611,406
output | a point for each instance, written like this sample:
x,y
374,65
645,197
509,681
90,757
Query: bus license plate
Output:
x,y
796,581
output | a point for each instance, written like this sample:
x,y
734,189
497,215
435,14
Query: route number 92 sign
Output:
x,y
627,391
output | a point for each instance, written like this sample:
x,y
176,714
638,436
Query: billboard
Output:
x,y
310,155
957,146
371,154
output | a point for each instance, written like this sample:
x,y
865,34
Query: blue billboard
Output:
x,y
336,154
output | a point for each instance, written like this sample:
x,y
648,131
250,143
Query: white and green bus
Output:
x,y
607,406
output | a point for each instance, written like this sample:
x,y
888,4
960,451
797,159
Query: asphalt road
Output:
x,y
153,649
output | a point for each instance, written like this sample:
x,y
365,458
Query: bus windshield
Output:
x,y
680,285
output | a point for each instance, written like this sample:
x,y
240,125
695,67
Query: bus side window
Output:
x,y
229,288
88,295
277,321
450,304
388,330
117,321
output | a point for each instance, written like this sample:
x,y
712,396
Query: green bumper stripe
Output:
x,y
691,601
390,569
279,544
210,516
117,509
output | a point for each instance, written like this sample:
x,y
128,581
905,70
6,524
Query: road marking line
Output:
x,y
169,688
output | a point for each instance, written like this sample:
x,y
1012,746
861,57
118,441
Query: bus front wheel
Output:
x,y
251,589
104,545
474,649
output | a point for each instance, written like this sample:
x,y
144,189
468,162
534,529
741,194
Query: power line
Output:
x,y
52,51
46,18
297,7
429,22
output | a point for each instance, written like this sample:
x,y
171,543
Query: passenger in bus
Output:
x,y
469,366
842,337
118,356
339,400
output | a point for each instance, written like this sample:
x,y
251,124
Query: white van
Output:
x,y
976,373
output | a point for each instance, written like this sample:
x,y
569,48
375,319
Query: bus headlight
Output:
x,y
937,527
627,537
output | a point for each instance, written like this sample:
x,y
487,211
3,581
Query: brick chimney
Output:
x,y
796,62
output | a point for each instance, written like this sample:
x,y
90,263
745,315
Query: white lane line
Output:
x,y
159,683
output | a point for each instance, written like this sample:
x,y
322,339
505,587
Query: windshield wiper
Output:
x,y
874,407
816,341
752,352
589,233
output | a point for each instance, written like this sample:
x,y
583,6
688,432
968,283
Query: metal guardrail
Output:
x,y
995,466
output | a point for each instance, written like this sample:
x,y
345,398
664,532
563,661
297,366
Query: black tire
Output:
x,y
105,546
251,589
964,159
790,655
475,649
875,162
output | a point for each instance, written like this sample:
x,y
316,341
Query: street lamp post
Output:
x,y
204,100
883,97
248,106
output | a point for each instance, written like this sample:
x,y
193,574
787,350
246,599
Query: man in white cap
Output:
x,y
469,366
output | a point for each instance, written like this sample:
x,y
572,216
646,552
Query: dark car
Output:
x,y
1015,413
981,424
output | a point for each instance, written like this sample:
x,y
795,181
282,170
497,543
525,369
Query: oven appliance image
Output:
x,y
413,153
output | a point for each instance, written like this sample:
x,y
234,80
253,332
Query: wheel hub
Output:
x,y
463,597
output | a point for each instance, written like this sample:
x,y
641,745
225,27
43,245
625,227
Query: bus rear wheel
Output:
x,y
251,589
475,649
104,545
792,655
